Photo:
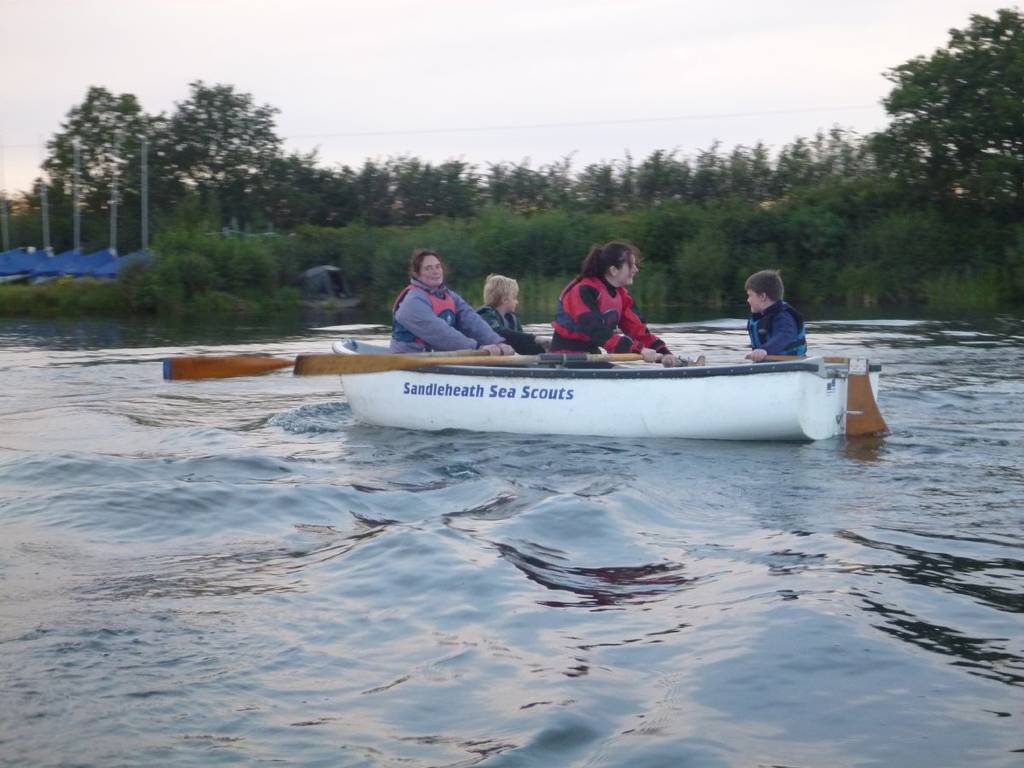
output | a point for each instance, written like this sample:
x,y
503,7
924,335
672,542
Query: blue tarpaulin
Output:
x,y
22,261
58,265
87,264
113,268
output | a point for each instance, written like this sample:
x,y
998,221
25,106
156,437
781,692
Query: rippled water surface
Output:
x,y
237,572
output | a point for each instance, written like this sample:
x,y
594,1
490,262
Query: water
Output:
x,y
236,572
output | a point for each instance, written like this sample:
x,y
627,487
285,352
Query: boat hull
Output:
x,y
804,400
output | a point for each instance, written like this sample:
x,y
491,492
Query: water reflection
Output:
x,y
868,449
985,657
947,571
240,572
955,574
598,587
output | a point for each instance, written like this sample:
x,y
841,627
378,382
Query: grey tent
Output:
x,y
323,282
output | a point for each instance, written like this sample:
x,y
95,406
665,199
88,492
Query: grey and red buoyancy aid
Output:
x,y
442,306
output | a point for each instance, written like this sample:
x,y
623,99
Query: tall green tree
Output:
x,y
302,192
516,185
221,144
662,177
109,129
598,188
957,128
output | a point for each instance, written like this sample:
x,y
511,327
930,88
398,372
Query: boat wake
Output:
x,y
314,419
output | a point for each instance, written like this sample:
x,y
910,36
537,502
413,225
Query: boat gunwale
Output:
x,y
811,365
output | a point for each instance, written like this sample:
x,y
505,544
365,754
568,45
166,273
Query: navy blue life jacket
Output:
x,y
760,329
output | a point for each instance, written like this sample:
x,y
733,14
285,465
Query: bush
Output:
x,y
64,297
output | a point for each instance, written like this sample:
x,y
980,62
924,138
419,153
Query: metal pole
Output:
x,y
76,187
5,232
113,193
4,226
145,195
44,206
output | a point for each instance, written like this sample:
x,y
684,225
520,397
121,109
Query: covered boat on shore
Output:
x,y
807,399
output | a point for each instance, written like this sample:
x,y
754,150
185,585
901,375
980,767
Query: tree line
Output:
x,y
931,208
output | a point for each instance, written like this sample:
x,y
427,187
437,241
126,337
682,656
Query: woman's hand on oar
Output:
x,y
228,366
346,365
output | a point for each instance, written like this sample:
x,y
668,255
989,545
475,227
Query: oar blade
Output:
x,y
213,367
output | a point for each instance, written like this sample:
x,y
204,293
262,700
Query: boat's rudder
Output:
x,y
863,417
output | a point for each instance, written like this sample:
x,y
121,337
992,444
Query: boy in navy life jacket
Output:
x,y
775,328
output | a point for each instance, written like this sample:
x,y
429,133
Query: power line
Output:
x,y
536,126
578,124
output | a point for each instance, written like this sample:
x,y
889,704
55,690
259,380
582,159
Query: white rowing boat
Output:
x,y
810,399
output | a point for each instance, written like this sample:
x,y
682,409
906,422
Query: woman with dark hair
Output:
x,y
428,316
595,311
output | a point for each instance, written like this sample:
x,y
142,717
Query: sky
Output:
x,y
476,80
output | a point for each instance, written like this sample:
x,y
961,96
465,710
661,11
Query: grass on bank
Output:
x,y
86,297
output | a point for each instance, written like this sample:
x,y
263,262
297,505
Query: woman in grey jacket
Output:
x,y
428,316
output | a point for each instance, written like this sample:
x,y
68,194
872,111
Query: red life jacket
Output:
x,y
615,325
571,307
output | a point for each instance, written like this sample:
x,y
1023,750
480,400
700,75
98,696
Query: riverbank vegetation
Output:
x,y
929,210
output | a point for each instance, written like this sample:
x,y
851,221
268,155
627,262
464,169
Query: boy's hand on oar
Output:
x,y
675,361
649,355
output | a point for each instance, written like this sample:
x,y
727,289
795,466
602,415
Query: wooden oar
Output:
x,y
210,367
319,365
227,366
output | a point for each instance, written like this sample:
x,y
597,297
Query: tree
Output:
x,y
709,175
597,188
109,130
662,177
302,192
958,117
749,173
221,144
517,186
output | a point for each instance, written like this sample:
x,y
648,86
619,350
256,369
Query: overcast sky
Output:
x,y
473,79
